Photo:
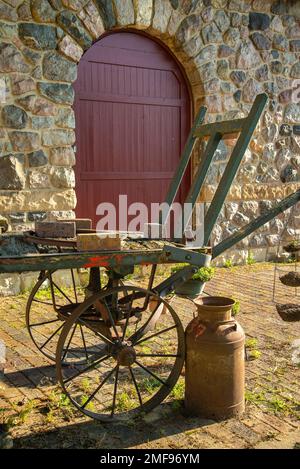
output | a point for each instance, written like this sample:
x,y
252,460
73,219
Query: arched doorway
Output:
x,y
132,111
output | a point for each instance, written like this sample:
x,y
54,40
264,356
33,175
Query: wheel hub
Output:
x,y
124,354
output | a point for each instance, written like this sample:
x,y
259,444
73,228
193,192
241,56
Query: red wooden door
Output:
x,y
132,113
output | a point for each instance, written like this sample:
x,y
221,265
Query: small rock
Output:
x,y
24,12
293,32
279,7
262,73
57,68
56,137
21,84
62,156
207,71
206,55
250,90
295,45
261,41
222,21
295,70
70,48
38,106
280,42
39,179
42,122
283,158
144,12
24,141
73,26
38,36
213,103
65,118
162,13
63,178
269,133
207,14
37,158
276,67
14,117
285,96
225,51
12,175
232,37
188,28
276,25
259,21
289,174
238,77
106,9
11,60
210,33
57,92
223,69
42,11
247,56
292,113
285,130
7,12
237,96
193,47
91,19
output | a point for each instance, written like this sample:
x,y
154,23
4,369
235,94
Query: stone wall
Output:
x,y
231,50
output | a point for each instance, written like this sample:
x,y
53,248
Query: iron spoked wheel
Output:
x,y
132,368
48,306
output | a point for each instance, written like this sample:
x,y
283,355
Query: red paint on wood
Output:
x,y
132,112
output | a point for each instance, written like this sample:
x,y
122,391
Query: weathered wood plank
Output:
x,y
98,242
55,229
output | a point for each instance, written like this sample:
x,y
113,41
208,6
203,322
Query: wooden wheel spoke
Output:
x,y
144,329
115,391
74,286
42,302
92,365
99,387
83,341
51,336
112,321
155,334
69,343
98,334
62,292
136,386
43,323
151,373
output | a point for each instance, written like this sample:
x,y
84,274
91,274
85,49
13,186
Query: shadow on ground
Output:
x,y
160,424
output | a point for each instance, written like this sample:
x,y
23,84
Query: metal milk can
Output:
x,y
215,365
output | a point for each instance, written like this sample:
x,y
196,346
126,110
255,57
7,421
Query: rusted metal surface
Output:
x,y
214,375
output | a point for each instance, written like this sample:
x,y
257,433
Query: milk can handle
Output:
x,y
216,324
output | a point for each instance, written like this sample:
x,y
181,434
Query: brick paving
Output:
x,y
271,419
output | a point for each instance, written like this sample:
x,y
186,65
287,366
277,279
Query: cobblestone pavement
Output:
x,y
35,413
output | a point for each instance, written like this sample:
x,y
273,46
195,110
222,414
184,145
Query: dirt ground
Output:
x,y
35,414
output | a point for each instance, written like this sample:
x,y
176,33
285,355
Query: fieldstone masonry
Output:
x,y
231,50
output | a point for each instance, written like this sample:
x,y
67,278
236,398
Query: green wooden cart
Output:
x,y
119,348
